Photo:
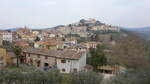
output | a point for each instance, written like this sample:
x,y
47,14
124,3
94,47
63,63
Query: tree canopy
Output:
x,y
97,57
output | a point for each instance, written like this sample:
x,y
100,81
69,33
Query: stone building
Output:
x,y
1,40
66,61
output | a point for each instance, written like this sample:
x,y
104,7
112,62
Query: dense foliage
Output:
x,y
86,78
13,76
17,50
53,76
97,57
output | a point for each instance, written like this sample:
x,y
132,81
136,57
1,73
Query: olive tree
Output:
x,y
86,78
34,76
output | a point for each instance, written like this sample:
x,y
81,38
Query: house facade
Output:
x,y
12,58
71,65
49,44
66,61
3,57
30,37
91,44
1,40
7,36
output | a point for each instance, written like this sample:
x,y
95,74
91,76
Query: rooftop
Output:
x,y
63,54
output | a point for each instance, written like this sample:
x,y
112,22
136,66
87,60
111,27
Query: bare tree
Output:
x,y
130,52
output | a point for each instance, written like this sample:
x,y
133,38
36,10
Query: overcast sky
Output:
x,y
49,13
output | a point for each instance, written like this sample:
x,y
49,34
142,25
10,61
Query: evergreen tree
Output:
x,y
37,39
97,57
17,50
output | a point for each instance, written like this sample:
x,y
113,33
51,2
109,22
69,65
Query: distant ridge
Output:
x,y
135,29
11,29
143,32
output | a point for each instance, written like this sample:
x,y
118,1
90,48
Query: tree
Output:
x,y
36,77
37,39
82,22
11,76
86,78
31,76
97,57
8,45
4,42
132,77
130,52
17,50
54,76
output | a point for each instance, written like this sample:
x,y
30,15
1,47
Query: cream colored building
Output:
x,y
91,44
66,61
3,57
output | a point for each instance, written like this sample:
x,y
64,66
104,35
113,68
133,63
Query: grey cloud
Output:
x,y
48,13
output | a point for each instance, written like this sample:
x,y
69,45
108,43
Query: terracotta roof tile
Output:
x,y
64,54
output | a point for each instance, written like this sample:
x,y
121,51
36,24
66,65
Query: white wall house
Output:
x,y
72,65
52,35
29,38
7,36
36,45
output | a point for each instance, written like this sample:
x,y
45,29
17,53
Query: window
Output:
x,y
63,61
38,63
1,58
46,57
1,64
24,54
106,71
46,64
63,70
29,54
31,61
38,56
75,70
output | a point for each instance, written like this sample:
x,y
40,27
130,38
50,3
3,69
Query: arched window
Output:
x,y
63,70
38,63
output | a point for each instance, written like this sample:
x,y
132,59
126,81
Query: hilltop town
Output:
x,y
63,46
85,46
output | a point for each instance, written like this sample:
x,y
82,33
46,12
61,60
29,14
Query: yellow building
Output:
x,y
3,57
50,45
6,58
